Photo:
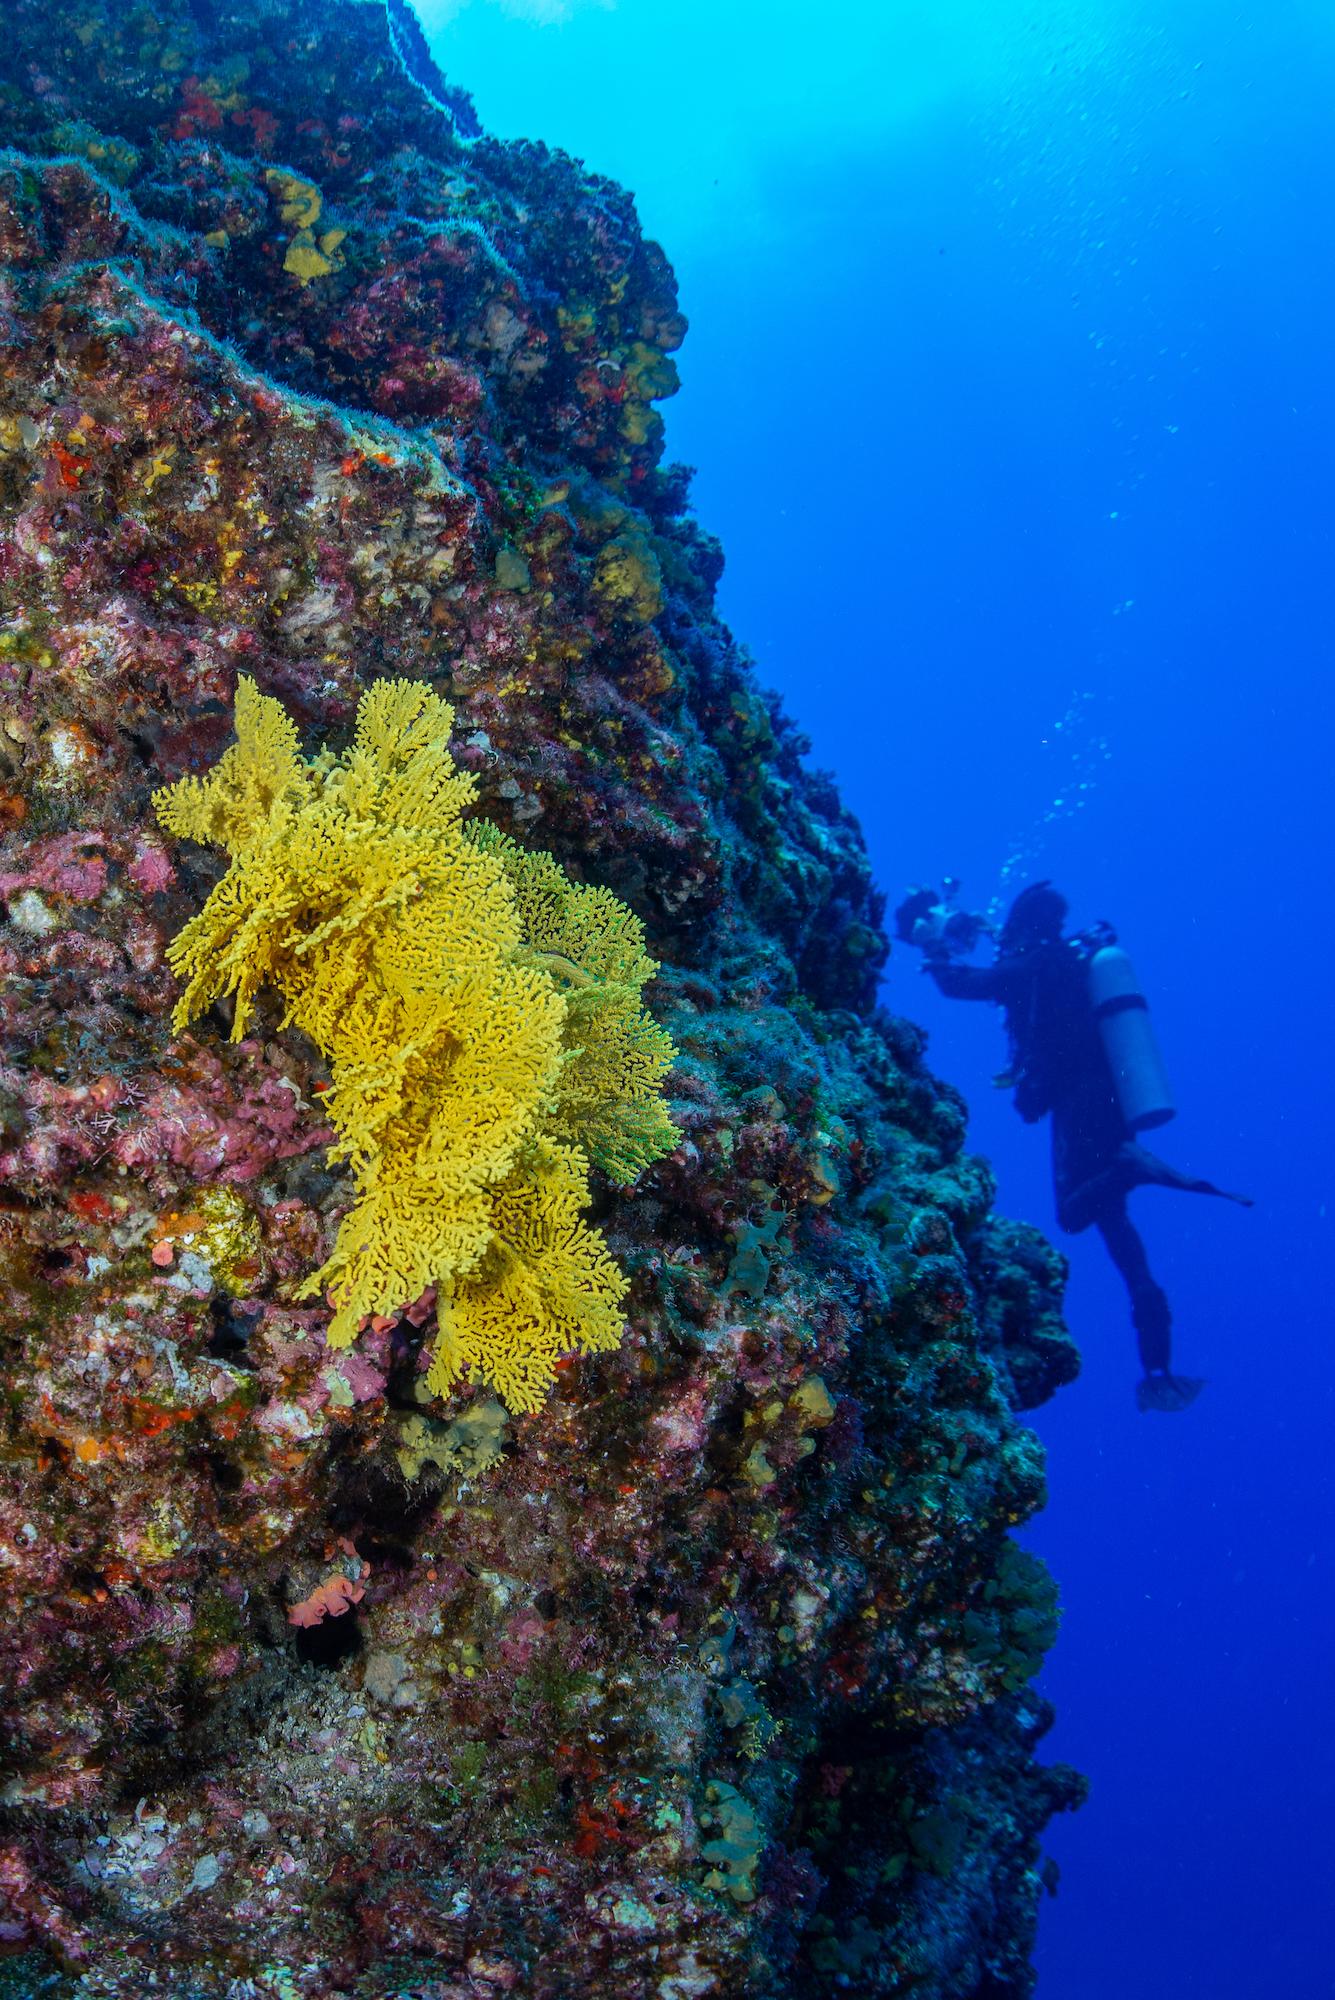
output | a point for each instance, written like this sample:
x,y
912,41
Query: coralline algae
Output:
x,y
710,1678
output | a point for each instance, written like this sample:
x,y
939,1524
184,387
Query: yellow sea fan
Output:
x,y
399,771
429,1127
546,1285
589,927
608,1096
481,1017
263,771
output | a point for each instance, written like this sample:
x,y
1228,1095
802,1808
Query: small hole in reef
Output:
x,y
225,1474
57,1263
229,1338
384,1550
329,1643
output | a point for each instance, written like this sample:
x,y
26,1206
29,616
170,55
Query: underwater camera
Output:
x,y
931,920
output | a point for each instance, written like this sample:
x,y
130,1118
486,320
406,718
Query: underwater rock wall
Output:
x,y
712,1677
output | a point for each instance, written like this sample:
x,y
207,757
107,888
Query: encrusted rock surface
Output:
x,y
711,1678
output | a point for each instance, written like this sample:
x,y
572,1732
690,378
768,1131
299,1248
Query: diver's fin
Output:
x,y
1168,1392
1145,1169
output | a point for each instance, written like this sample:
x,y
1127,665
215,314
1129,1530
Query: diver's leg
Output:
x,y
1086,1202
1150,1312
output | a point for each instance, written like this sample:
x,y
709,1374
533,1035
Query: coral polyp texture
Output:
x,y
424,965
629,1606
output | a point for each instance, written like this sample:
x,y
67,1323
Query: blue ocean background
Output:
x,y
1011,386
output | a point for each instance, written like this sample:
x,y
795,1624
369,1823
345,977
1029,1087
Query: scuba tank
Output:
x,y
1122,1012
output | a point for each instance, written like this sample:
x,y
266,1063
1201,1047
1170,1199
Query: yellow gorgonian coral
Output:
x,y
473,1062
609,1099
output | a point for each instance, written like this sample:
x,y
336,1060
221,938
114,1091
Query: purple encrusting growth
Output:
x,y
711,1678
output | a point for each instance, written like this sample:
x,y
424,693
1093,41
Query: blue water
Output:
x,y
1011,385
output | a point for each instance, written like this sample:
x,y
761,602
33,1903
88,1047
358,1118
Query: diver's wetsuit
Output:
x,y
1061,1068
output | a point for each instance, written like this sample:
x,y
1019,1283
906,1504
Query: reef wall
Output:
x,y
711,1678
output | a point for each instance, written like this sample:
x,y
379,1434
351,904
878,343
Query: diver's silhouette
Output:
x,y
1082,1052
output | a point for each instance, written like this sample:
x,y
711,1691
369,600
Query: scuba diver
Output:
x,y
1083,1052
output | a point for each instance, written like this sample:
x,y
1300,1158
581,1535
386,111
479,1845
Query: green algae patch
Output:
x,y
813,1404
733,1852
627,578
463,1449
749,1270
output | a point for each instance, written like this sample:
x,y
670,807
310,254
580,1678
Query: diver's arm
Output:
x,y
967,982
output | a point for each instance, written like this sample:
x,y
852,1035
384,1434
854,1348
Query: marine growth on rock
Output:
x,y
510,1437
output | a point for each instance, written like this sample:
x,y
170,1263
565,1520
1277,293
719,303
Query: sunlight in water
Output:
x,y
538,13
